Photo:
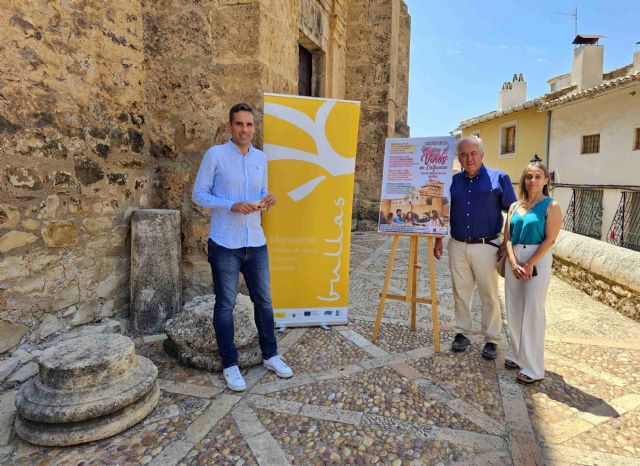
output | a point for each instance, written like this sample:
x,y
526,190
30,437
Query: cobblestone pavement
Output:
x,y
396,402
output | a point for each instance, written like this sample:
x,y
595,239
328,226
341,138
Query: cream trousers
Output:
x,y
475,265
527,318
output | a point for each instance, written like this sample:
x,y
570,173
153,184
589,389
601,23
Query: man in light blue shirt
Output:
x,y
232,182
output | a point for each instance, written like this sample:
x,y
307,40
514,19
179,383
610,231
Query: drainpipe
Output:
x,y
548,140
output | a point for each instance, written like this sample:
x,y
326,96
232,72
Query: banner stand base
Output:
x,y
311,323
412,275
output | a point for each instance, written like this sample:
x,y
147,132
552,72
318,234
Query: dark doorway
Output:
x,y
305,71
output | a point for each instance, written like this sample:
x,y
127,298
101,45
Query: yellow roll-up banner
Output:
x,y
311,146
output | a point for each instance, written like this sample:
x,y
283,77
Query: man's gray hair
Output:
x,y
472,139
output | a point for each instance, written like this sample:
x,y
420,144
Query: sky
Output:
x,y
462,52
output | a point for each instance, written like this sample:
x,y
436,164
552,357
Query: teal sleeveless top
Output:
x,y
529,228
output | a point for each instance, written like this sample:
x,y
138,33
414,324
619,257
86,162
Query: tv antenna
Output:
x,y
574,15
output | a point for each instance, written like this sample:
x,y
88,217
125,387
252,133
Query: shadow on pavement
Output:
x,y
556,388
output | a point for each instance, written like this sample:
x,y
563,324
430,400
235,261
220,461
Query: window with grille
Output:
x,y
591,144
636,144
584,215
625,228
508,139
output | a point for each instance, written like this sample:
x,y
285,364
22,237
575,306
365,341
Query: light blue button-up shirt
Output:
x,y
225,177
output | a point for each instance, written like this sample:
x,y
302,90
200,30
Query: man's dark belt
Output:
x,y
486,240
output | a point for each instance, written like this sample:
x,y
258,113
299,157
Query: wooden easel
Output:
x,y
412,278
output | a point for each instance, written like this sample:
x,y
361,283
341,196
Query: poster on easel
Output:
x,y
415,185
311,147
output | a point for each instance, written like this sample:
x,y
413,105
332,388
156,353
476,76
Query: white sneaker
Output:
x,y
234,379
277,365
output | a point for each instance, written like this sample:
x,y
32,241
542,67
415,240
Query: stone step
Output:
x,y
40,403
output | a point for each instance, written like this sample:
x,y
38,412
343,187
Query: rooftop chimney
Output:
x,y
512,93
636,59
588,60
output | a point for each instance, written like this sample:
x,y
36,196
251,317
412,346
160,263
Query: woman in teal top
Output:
x,y
531,229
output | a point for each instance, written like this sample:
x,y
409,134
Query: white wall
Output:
x,y
514,96
563,196
587,66
613,115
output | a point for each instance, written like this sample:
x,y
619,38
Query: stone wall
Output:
x,y
106,107
192,50
608,273
377,75
74,152
401,100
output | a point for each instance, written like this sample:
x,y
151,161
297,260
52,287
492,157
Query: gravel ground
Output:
x,y
623,363
382,392
397,402
320,350
223,445
620,436
308,441
169,368
467,376
565,392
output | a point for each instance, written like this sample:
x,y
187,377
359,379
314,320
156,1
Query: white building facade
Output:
x,y
594,146
594,149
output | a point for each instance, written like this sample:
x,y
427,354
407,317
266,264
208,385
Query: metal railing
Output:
x,y
584,215
625,228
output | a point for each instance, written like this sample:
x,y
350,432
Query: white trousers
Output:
x,y
475,265
527,318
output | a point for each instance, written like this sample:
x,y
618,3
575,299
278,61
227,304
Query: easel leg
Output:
x,y
434,297
407,294
413,263
385,288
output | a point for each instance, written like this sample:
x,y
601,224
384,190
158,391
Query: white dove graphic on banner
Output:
x,y
327,158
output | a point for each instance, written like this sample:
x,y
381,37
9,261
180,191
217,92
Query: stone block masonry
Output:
x,y
608,273
378,69
74,159
108,107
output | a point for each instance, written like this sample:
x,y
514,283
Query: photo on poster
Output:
x,y
415,185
